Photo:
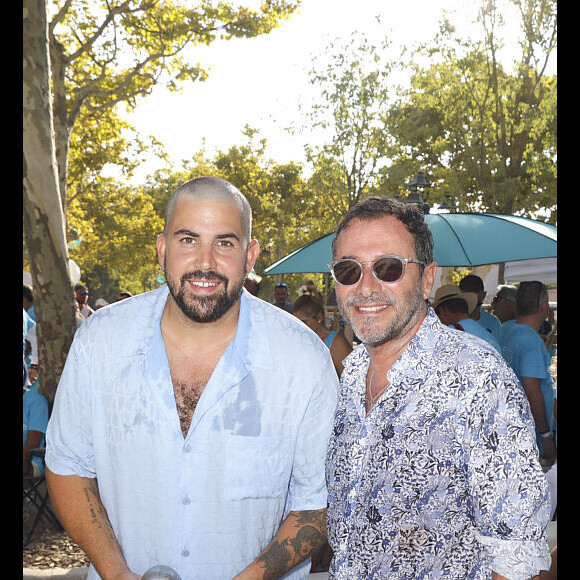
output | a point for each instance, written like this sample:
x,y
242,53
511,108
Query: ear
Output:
x,y
252,254
428,279
161,250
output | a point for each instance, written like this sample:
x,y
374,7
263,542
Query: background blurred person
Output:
x,y
310,310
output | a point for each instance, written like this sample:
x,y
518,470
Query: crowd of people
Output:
x,y
228,436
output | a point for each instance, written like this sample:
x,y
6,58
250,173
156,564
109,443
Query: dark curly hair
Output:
x,y
375,207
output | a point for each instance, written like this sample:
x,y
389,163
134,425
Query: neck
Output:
x,y
457,317
384,355
322,331
532,320
503,319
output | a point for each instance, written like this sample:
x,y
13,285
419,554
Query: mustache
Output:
x,y
372,300
203,275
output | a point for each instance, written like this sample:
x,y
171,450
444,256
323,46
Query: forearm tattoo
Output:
x,y
99,516
281,555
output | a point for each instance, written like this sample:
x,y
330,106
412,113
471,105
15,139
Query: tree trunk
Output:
x,y
59,117
43,214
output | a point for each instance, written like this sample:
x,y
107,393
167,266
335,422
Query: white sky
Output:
x,y
261,81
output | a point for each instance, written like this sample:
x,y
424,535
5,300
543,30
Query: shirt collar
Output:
x,y
418,358
250,342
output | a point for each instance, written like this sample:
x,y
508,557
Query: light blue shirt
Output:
x,y
525,351
490,322
328,340
34,418
505,328
209,503
473,327
27,322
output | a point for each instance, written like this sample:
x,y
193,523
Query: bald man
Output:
x,y
188,427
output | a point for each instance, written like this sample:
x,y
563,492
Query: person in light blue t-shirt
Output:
x,y
526,353
453,306
34,423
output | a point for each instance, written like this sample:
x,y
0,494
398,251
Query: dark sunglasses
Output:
x,y
388,269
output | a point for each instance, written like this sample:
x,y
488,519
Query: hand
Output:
x,y
127,576
549,453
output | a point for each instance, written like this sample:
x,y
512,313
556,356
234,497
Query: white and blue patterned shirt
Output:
x,y
209,503
441,479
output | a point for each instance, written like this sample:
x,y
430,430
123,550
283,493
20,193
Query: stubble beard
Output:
x,y
203,309
372,334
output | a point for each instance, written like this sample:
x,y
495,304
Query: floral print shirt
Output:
x,y
441,478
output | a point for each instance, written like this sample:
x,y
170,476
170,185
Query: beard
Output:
x,y
370,331
203,308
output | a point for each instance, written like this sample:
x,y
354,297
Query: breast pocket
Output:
x,y
257,467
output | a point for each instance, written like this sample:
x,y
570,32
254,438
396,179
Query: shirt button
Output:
x,y
186,501
187,449
185,553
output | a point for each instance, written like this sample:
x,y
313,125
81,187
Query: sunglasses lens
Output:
x,y
347,272
388,269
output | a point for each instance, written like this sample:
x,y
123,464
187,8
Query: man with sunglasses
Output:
x,y
433,437
82,298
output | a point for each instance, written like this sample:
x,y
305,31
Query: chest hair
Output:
x,y
189,378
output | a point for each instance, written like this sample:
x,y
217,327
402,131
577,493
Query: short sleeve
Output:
x,y
69,447
308,486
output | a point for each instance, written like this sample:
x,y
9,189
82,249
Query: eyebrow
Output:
x,y
186,232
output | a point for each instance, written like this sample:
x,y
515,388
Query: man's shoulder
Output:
x,y
489,318
34,399
282,329
128,316
520,334
473,327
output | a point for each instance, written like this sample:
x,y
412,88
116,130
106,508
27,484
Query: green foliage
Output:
x,y
285,214
104,53
119,226
353,82
488,136
485,135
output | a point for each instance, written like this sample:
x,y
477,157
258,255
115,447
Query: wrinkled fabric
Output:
x,y
441,478
209,503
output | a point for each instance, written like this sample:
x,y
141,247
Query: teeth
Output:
x,y
204,284
371,308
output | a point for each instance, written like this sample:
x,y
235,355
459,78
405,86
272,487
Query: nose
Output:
x,y
205,258
368,284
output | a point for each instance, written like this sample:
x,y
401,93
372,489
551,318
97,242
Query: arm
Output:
x,y
78,506
299,536
339,350
495,576
532,388
509,526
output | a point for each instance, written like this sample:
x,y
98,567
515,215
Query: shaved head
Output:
x,y
214,188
